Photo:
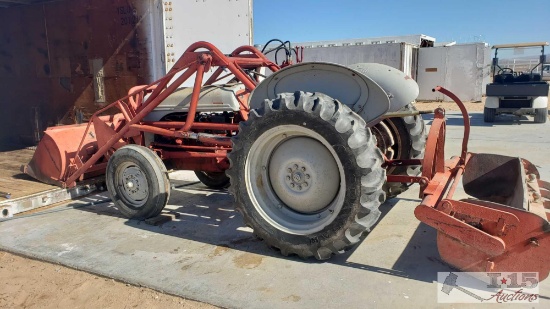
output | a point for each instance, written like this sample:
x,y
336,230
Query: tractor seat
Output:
x,y
507,78
523,78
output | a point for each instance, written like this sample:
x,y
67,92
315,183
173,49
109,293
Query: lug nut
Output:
x,y
292,185
306,184
295,166
303,169
288,178
307,176
299,187
289,170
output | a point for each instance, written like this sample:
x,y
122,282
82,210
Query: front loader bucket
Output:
x,y
56,152
504,180
506,227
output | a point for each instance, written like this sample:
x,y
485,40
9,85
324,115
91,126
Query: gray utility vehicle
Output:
x,y
518,91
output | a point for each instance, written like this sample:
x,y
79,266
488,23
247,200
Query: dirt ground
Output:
x,y
28,283
450,106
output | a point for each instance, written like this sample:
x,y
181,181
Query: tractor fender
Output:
x,y
401,88
353,87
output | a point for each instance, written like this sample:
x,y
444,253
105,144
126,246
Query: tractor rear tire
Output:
x,y
137,182
213,180
306,175
489,114
409,141
541,115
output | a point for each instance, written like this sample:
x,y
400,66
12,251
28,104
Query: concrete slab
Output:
x,y
206,254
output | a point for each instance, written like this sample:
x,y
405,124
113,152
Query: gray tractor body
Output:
x,y
369,89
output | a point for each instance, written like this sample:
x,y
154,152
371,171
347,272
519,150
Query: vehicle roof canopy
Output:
x,y
518,45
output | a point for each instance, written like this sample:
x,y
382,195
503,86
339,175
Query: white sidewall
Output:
x,y
540,102
491,102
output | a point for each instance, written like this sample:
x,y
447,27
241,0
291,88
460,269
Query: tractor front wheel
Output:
x,y
306,175
137,182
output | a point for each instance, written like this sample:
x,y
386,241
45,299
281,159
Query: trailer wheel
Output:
x,y
541,114
213,180
400,139
489,114
138,182
306,175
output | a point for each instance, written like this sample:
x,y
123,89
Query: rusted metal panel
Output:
x,y
11,3
48,51
47,57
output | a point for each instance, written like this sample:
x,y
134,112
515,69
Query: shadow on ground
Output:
x,y
207,216
476,119
419,261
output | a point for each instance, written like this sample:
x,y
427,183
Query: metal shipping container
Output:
x,y
419,40
401,56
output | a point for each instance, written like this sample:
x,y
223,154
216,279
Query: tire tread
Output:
x,y
361,142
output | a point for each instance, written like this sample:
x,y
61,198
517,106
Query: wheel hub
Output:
x,y
134,183
297,178
311,178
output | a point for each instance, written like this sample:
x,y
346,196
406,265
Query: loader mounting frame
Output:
x,y
115,131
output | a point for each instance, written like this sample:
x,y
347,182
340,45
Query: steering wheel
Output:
x,y
505,70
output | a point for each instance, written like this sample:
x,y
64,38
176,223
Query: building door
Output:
x,y
431,72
